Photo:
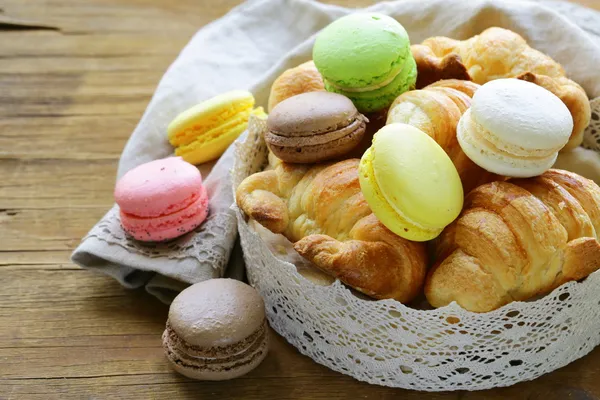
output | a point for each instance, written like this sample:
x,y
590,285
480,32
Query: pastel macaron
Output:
x,y
203,132
313,127
410,183
161,200
216,330
366,57
514,128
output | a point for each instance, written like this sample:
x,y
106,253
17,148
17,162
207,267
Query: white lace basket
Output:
x,y
386,343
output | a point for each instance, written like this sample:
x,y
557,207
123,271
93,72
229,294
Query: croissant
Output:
x,y
500,53
436,110
301,79
321,209
432,68
493,54
517,239
574,98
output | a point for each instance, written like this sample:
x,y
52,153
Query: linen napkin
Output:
x,y
248,49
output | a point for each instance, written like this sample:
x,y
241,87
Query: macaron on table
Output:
x,y
161,200
216,330
347,206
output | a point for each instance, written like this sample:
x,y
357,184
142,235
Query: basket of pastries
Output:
x,y
401,214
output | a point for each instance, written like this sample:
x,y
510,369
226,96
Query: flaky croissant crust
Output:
x,y
301,79
500,53
518,239
321,210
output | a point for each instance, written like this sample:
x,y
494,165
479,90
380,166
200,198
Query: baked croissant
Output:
x,y
432,68
301,79
321,209
517,239
436,110
501,53
493,54
574,98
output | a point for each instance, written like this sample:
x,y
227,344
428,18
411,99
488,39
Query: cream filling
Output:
x,y
367,88
488,140
481,133
488,156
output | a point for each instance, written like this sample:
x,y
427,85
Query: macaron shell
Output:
x,y
313,127
311,113
169,226
217,312
407,171
388,216
361,49
208,115
158,188
522,114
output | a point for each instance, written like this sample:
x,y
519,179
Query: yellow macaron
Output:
x,y
203,132
410,183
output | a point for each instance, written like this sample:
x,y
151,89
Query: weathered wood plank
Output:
x,y
46,229
68,101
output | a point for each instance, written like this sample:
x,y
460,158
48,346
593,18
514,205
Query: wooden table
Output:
x,y
69,98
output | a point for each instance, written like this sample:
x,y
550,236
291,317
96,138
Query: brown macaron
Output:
x,y
313,127
216,330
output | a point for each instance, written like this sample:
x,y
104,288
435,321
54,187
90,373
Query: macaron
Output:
x,y
366,57
514,128
161,200
301,79
313,127
216,330
203,132
410,182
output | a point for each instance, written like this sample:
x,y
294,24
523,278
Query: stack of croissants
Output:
x,y
516,238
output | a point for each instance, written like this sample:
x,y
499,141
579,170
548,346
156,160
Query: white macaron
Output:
x,y
514,128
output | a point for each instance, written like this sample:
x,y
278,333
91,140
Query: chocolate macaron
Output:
x,y
216,330
313,127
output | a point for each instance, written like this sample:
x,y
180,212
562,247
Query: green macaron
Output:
x,y
367,58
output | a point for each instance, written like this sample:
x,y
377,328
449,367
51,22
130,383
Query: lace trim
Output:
x,y
209,243
387,343
591,136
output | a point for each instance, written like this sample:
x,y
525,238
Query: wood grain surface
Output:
x,y
75,77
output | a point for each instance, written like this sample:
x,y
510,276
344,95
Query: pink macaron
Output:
x,y
161,200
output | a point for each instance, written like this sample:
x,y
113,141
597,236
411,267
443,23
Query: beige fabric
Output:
x,y
255,43
582,161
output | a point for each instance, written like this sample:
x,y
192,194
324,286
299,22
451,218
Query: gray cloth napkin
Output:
x,y
247,49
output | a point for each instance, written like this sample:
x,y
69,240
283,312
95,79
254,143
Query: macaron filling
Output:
x,y
479,132
378,99
478,143
367,88
224,353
